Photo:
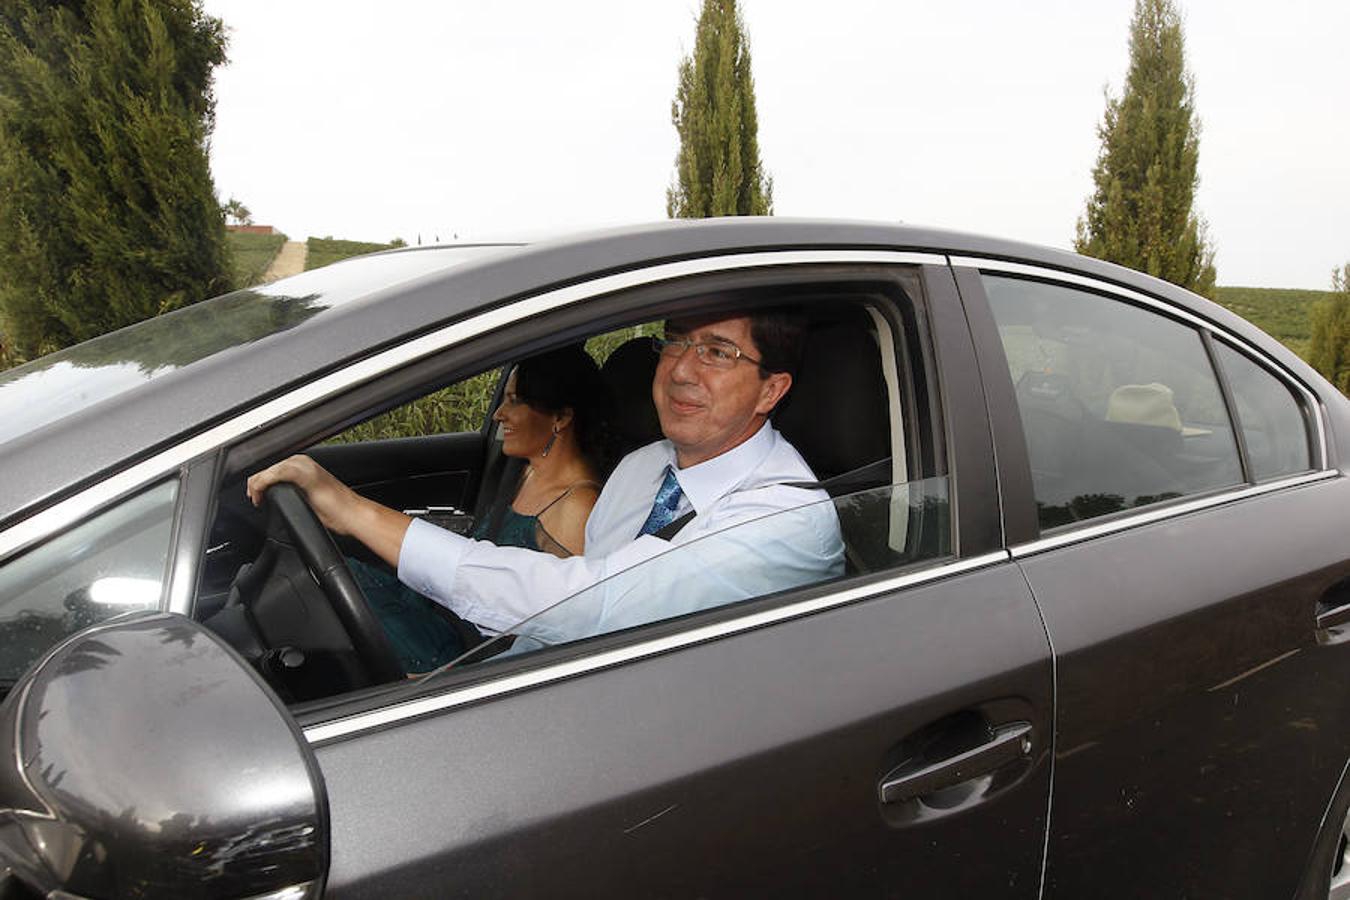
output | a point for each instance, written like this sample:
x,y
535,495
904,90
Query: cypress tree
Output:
x,y
1329,351
108,214
1140,213
717,170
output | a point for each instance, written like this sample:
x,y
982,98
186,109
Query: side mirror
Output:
x,y
144,758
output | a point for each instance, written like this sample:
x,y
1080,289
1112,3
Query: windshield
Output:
x,y
881,529
68,381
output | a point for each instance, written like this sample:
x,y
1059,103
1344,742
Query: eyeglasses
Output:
x,y
716,353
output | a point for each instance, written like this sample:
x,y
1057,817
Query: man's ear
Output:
x,y
772,390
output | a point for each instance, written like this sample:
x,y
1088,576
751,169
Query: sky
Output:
x,y
470,120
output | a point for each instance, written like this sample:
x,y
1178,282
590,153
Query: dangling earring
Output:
x,y
549,445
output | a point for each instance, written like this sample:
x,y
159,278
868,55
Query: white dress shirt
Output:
x,y
792,538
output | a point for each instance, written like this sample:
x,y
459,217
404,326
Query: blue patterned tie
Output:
x,y
663,508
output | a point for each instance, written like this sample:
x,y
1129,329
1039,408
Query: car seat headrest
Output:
x,y
837,413
629,371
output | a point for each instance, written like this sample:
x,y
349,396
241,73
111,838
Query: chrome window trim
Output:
x,y
421,706
1042,273
1158,514
71,510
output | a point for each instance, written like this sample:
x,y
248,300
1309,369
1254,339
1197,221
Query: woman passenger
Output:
x,y
552,416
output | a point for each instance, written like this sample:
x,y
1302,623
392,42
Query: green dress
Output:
x,y
424,634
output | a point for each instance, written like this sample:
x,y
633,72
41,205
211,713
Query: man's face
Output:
x,y
705,411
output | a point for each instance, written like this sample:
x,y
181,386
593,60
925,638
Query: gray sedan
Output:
x,y
1091,635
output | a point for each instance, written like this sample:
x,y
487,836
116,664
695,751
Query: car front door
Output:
x,y
882,734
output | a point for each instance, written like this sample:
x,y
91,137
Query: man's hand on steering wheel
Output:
x,y
340,509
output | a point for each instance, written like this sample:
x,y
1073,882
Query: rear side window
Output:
x,y
1120,405
1270,415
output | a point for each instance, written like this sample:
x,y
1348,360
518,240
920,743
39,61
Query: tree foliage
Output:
x,y
717,169
1329,349
1141,212
108,214
236,210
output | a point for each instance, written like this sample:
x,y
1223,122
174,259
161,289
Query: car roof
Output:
x,y
97,407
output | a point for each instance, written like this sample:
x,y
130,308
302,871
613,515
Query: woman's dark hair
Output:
x,y
568,378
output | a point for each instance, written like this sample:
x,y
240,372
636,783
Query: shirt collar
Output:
x,y
707,482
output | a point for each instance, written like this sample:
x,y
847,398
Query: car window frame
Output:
x,y
912,345
1309,411
1025,537
922,342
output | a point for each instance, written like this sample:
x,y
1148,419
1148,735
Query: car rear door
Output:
x,y
1180,565
886,734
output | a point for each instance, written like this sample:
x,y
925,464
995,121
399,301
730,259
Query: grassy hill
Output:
x,y
251,254
323,251
1282,313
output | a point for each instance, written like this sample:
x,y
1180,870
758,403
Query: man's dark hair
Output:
x,y
779,333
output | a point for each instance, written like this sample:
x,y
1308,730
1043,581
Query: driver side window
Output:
x,y
856,452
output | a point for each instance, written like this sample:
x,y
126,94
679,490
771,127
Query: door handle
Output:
x,y
1334,606
1009,744
1330,618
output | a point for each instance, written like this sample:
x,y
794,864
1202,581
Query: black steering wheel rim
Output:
x,y
339,587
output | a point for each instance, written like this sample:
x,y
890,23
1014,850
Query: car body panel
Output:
x,y
1194,701
747,764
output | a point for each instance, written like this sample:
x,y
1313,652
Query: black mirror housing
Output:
x,y
147,759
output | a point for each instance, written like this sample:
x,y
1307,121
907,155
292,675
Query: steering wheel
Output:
x,y
335,579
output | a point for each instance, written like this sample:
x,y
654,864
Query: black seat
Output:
x,y
628,372
837,414
838,417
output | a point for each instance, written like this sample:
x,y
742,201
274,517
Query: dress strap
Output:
x,y
571,487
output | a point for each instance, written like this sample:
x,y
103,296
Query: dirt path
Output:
x,y
290,260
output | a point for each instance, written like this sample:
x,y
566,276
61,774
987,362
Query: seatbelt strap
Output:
x,y
672,528
829,485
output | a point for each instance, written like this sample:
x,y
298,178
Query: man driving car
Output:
x,y
722,463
